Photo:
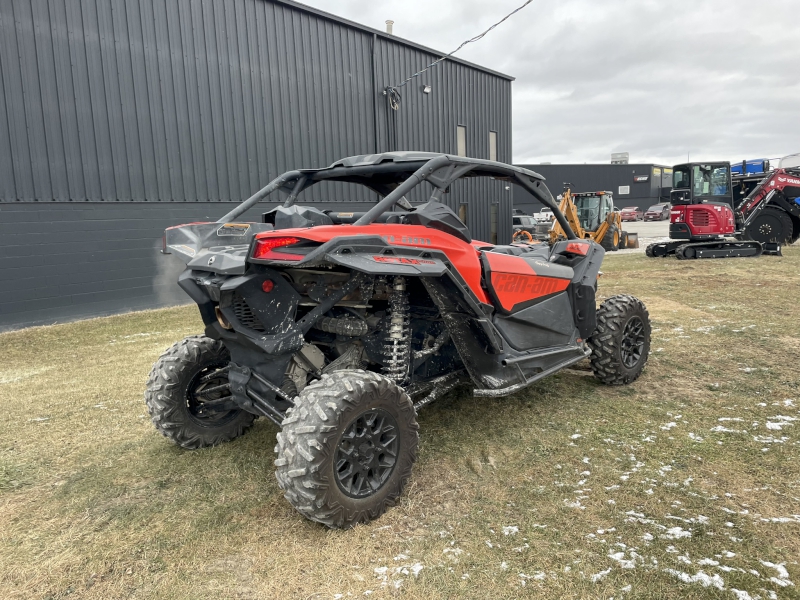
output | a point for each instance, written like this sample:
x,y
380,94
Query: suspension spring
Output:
x,y
397,343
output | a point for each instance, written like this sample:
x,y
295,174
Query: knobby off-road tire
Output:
x,y
611,239
170,395
347,447
621,340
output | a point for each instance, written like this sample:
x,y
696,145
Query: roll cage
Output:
x,y
392,175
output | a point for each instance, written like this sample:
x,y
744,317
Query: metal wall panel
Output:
x,y
121,117
198,100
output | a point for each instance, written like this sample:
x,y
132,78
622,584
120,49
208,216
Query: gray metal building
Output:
x,y
121,117
639,185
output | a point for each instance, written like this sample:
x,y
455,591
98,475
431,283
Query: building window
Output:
x,y
492,145
494,223
462,213
461,142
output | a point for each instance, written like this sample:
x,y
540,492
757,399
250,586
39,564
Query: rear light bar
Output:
x,y
266,248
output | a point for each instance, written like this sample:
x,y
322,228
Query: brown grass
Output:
x,y
95,504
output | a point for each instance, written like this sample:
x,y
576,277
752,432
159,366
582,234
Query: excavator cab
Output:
x,y
701,183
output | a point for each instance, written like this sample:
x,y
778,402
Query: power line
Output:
x,y
394,96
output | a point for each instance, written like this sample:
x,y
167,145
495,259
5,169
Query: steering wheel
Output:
x,y
521,233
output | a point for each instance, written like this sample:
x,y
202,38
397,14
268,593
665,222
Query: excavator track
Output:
x,y
662,249
724,249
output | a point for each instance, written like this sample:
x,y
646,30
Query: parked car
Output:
x,y
631,213
545,215
657,212
523,223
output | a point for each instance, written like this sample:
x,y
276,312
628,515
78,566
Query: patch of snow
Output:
x,y
783,575
625,563
675,533
668,426
721,429
598,576
510,530
701,578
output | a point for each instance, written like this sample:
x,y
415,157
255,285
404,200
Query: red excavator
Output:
x,y
705,221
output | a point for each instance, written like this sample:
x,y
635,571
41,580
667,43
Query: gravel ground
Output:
x,y
649,232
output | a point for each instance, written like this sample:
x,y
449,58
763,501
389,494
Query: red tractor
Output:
x,y
706,223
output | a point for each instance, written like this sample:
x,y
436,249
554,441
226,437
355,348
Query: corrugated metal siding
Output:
x,y
459,96
168,103
174,100
196,100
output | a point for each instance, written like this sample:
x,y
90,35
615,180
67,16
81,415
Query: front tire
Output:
x,y
173,395
610,241
347,448
621,340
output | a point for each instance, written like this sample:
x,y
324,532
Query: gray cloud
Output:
x,y
658,79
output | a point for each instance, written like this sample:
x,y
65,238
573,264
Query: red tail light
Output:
x,y
578,248
265,248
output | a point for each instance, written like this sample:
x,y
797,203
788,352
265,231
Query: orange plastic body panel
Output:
x,y
515,281
465,257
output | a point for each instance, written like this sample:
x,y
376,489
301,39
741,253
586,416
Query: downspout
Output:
x,y
375,94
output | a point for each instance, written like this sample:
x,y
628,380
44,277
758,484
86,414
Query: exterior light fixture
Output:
x,y
426,89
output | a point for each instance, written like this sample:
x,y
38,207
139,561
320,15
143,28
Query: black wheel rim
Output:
x,y
766,228
202,388
632,342
367,453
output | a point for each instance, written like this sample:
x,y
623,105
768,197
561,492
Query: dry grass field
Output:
x,y
685,484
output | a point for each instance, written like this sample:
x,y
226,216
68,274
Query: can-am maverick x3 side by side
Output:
x,y
339,327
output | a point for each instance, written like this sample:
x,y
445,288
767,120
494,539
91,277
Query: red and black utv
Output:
x,y
339,327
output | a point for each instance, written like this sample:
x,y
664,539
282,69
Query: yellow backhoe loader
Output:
x,y
592,216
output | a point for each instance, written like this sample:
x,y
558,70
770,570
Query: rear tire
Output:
x,y
621,340
171,395
347,447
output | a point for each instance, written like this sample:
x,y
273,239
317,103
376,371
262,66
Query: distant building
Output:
x,y
639,185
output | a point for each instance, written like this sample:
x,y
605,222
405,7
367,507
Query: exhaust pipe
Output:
x,y
389,24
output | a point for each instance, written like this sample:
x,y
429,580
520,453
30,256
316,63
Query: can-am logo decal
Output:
x,y
413,241
401,260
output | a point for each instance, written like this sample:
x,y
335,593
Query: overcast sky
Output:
x,y
719,79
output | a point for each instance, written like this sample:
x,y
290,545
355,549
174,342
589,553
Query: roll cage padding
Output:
x,y
440,171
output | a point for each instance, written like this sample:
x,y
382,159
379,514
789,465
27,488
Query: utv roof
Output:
x,y
394,174
486,167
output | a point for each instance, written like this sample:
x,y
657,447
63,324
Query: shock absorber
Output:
x,y
397,344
